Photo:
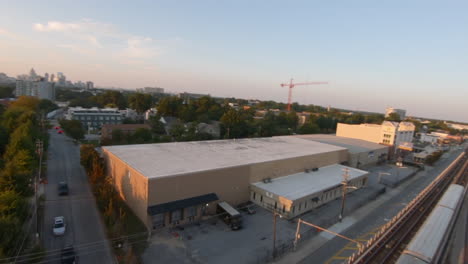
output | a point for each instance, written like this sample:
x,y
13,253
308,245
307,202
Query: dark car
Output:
x,y
63,188
68,255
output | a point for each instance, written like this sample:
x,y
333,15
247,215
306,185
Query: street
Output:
x,y
84,227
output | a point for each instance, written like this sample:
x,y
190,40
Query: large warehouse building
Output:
x,y
176,183
361,153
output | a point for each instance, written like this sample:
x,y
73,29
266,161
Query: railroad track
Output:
x,y
387,245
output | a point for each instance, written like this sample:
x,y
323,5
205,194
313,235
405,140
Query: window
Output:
x,y
261,198
293,209
305,204
284,208
253,195
300,207
276,205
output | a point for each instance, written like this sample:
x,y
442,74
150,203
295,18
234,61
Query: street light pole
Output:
x,y
39,150
274,235
344,184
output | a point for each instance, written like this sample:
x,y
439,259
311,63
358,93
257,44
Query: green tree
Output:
x,y
140,102
142,135
7,91
309,128
47,106
170,106
393,117
177,131
112,99
233,124
73,128
157,127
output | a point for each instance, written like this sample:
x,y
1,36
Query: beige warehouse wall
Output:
x,y
131,185
370,133
230,184
274,169
364,159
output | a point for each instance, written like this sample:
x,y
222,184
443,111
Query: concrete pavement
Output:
x,y
84,227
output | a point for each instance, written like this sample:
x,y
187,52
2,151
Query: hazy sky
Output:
x,y
406,54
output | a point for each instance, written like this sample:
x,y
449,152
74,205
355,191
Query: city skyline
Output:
x,y
405,55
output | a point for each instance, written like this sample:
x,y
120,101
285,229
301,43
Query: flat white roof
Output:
x,y
352,144
168,159
296,186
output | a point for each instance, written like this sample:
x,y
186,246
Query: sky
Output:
x,y
406,54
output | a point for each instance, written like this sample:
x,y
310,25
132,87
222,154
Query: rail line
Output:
x,y
391,239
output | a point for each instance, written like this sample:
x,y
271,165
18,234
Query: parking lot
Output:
x,y
212,241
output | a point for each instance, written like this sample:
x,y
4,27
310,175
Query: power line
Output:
x,y
81,246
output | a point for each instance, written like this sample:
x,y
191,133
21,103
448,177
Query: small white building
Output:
x,y
299,193
429,138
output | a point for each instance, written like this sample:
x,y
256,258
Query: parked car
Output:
x,y
60,132
59,226
57,127
68,255
62,188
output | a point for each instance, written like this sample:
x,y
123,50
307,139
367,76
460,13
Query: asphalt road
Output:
x,y
375,219
84,227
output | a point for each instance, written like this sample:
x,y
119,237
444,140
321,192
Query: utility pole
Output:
x,y
275,214
344,184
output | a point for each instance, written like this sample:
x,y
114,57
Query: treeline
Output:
x,y
240,122
123,226
20,127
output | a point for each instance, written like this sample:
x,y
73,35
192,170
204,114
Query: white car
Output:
x,y
59,226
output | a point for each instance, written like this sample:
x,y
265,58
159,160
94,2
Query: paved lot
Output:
x,y
85,230
214,242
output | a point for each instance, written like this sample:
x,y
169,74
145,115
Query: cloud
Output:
x,y
57,26
98,35
140,48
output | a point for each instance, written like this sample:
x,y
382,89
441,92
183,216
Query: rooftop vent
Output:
x,y
306,170
266,180
315,169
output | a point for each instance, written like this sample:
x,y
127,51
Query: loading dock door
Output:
x,y
158,220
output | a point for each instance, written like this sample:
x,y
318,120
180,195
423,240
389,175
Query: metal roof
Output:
x,y
296,186
168,159
228,208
